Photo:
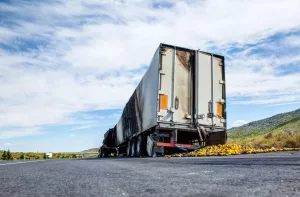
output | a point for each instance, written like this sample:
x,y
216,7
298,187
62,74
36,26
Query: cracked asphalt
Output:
x,y
268,174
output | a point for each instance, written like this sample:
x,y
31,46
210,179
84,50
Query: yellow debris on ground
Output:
x,y
229,149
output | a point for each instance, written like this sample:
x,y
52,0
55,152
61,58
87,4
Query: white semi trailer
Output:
x,y
179,104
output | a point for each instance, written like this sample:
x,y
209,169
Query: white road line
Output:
x,y
4,164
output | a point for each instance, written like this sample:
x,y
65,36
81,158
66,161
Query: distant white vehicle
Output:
x,y
49,155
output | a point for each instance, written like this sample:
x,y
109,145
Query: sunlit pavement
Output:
x,y
268,174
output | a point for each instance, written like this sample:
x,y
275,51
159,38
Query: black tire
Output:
x,y
104,153
139,146
149,150
117,152
133,147
128,149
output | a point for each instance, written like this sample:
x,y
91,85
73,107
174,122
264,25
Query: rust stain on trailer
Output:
x,y
184,58
164,49
132,120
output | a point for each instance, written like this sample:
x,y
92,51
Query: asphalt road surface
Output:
x,y
269,174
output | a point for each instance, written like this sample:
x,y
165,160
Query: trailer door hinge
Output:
x,y
188,116
171,110
200,116
162,72
210,115
221,81
161,114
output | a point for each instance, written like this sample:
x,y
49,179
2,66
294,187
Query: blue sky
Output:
x,y
68,67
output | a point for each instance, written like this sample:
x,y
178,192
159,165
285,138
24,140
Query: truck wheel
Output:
x,y
100,154
139,146
117,152
133,147
106,153
128,149
150,145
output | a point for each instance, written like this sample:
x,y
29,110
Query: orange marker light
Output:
x,y
220,109
163,101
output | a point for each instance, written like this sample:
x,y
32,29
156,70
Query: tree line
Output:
x,y
8,155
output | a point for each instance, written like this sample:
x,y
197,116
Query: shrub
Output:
x,y
22,156
9,155
268,136
4,155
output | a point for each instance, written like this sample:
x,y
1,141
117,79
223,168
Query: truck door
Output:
x,y
175,86
210,90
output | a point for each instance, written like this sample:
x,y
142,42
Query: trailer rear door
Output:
x,y
210,90
175,86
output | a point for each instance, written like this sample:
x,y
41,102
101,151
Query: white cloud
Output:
x,y
7,144
81,127
292,41
288,103
85,59
72,135
238,123
12,133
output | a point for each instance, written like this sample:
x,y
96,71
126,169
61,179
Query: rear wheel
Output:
x,y
139,146
149,146
104,153
133,147
100,153
128,149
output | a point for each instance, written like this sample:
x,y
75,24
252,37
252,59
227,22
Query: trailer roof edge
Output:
x,y
188,49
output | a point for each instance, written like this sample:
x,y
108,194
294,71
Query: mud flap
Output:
x,y
216,138
152,149
158,150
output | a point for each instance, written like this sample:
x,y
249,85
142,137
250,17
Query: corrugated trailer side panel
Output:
x,y
140,112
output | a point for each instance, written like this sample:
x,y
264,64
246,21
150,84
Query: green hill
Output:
x,y
281,130
91,150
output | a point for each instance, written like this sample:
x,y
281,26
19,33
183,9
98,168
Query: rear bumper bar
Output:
x,y
172,145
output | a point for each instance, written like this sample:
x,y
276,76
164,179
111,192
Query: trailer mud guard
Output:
x,y
216,138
